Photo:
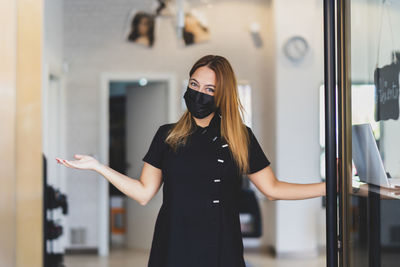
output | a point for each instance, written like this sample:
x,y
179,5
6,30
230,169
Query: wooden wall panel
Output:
x,y
7,131
29,238
21,182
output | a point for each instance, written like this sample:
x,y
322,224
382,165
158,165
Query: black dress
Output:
x,y
198,222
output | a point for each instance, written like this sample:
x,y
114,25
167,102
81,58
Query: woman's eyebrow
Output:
x,y
198,82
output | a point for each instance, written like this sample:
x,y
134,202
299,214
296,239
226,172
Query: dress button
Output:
x,y
215,138
215,201
224,145
220,160
204,131
217,180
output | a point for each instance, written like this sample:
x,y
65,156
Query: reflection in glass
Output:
x,y
374,208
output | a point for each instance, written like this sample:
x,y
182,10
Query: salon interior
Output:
x,y
98,77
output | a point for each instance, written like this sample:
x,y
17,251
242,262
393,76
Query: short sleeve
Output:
x,y
257,158
154,154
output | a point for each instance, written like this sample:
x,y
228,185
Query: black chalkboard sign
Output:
x,y
386,81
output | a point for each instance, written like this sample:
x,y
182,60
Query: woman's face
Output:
x,y
203,80
190,22
143,26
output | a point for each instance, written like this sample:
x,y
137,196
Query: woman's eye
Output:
x,y
193,84
210,90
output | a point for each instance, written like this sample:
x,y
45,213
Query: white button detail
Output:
x,y
215,138
225,145
217,180
216,201
205,130
220,160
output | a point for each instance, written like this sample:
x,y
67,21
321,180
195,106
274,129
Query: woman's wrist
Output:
x,y
98,167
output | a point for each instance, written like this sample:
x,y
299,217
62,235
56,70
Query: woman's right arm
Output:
x,y
142,190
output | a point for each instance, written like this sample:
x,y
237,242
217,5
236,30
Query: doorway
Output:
x,y
133,107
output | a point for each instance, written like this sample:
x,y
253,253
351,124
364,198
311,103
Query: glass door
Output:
x,y
368,45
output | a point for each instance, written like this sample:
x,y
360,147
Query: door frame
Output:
x,y
330,42
338,171
344,119
173,112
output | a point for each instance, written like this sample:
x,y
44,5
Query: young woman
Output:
x,y
200,160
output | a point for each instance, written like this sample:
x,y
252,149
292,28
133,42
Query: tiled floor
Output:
x,y
138,258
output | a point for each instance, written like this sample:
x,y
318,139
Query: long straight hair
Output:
x,y
233,130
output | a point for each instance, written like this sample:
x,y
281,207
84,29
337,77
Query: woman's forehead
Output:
x,y
204,75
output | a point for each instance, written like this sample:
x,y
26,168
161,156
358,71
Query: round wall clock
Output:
x,y
295,48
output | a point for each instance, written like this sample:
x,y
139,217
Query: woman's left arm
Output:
x,y
274,189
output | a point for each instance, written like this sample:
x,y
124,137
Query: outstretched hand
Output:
x,y
83,162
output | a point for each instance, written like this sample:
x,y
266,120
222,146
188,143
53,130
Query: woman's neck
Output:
x,y
204,122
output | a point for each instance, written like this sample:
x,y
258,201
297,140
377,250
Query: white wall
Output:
x,y
93,45
298,223
53,35
53,106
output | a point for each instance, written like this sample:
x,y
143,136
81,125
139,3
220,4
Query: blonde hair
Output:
x,y
233,130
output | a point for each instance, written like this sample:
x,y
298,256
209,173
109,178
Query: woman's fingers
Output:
x,y
66,163
82,162
61,161
69,164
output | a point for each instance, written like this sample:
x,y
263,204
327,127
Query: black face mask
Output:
x,y
199,104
